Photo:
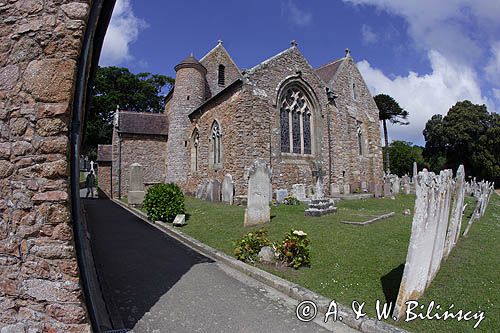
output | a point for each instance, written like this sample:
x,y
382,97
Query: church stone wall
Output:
x,y
147,150
40,43
367,167
219,56
104,177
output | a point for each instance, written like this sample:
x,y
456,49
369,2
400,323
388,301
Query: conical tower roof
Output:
x,y
191,62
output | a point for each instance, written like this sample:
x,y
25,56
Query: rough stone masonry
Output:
x,y
40,43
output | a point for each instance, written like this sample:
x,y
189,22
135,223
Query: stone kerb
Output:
x,y
259,183
136,191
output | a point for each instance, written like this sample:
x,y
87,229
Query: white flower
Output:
x,y
299,233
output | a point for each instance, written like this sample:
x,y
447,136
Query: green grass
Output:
x,y
365,263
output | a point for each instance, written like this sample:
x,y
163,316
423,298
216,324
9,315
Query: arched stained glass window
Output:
x,y
295,122
216,144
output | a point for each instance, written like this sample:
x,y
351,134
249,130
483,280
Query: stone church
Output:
x,y
219,119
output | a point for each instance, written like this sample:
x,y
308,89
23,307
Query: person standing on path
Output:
x,y
90,183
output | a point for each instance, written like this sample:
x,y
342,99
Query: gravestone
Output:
x,y
334,189
395,183
406,188
415,172
201,191
371,187
180,220
227,189
209,191
281,195
387,189
92,166
378,190
259,182
216,190
299,192
136,185
347,189
364,187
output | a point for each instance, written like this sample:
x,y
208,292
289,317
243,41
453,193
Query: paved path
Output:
x,y
153,283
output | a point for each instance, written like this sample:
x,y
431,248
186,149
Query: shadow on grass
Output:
x,y
390,284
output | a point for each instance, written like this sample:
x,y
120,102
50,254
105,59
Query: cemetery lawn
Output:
x,y
365,263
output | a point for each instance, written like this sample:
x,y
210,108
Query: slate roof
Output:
x,y
328,71
143,123
104,153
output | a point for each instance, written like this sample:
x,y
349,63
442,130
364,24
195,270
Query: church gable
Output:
x,y
268,77
221,69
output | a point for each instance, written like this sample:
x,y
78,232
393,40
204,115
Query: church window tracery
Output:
x,y
295,122
216,139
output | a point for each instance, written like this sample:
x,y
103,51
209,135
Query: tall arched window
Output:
x,y
195,143
359,135
222,75
216,145
295,122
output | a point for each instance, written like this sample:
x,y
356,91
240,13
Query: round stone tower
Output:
x,y
189,93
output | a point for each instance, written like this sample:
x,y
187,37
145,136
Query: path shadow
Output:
x,y
136,263
391,282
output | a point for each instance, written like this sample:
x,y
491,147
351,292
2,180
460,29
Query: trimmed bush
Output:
x,y
163,202
248,247
294,249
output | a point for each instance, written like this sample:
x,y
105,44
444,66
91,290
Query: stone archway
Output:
x,y
48,54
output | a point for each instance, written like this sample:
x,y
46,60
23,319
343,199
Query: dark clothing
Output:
x,y
89,184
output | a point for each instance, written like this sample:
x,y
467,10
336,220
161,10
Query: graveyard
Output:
x,y
365,263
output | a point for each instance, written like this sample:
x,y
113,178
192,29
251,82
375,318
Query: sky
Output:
x,y
426,54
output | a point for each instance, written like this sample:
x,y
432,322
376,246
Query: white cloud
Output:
x,y
492,69
369,37
457,29
296,15
424,95
123,30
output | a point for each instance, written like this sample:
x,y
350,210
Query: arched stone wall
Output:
x,y
45,62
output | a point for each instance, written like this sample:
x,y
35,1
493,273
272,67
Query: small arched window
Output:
x,y
222,75
195,143
359,135
295,122
354,93
216,146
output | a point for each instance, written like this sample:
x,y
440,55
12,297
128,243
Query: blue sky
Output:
x,y
426,54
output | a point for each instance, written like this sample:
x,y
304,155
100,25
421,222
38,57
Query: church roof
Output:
x,y
104,153
327,72
142,123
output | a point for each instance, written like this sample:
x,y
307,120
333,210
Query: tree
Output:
x,y
467,135
402,155
117,86
389,110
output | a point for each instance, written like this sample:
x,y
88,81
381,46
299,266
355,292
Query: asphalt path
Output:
x,y
153,283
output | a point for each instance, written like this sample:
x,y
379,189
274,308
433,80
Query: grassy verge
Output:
x,y
366,263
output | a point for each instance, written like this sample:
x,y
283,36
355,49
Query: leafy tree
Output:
x,y
117,86
467,135
389,110
402,155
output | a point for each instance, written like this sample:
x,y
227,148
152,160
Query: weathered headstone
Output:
x,y
299,192
281,194
259,181
227,189
136,185
216,190
378,190
364,186
334,189
209,191
201,191
406,188
395,184
387,189
456,212
347,189
180,220
371,187
415,172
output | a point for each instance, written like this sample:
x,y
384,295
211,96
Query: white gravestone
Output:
x,y
227,189
136,185
259,182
